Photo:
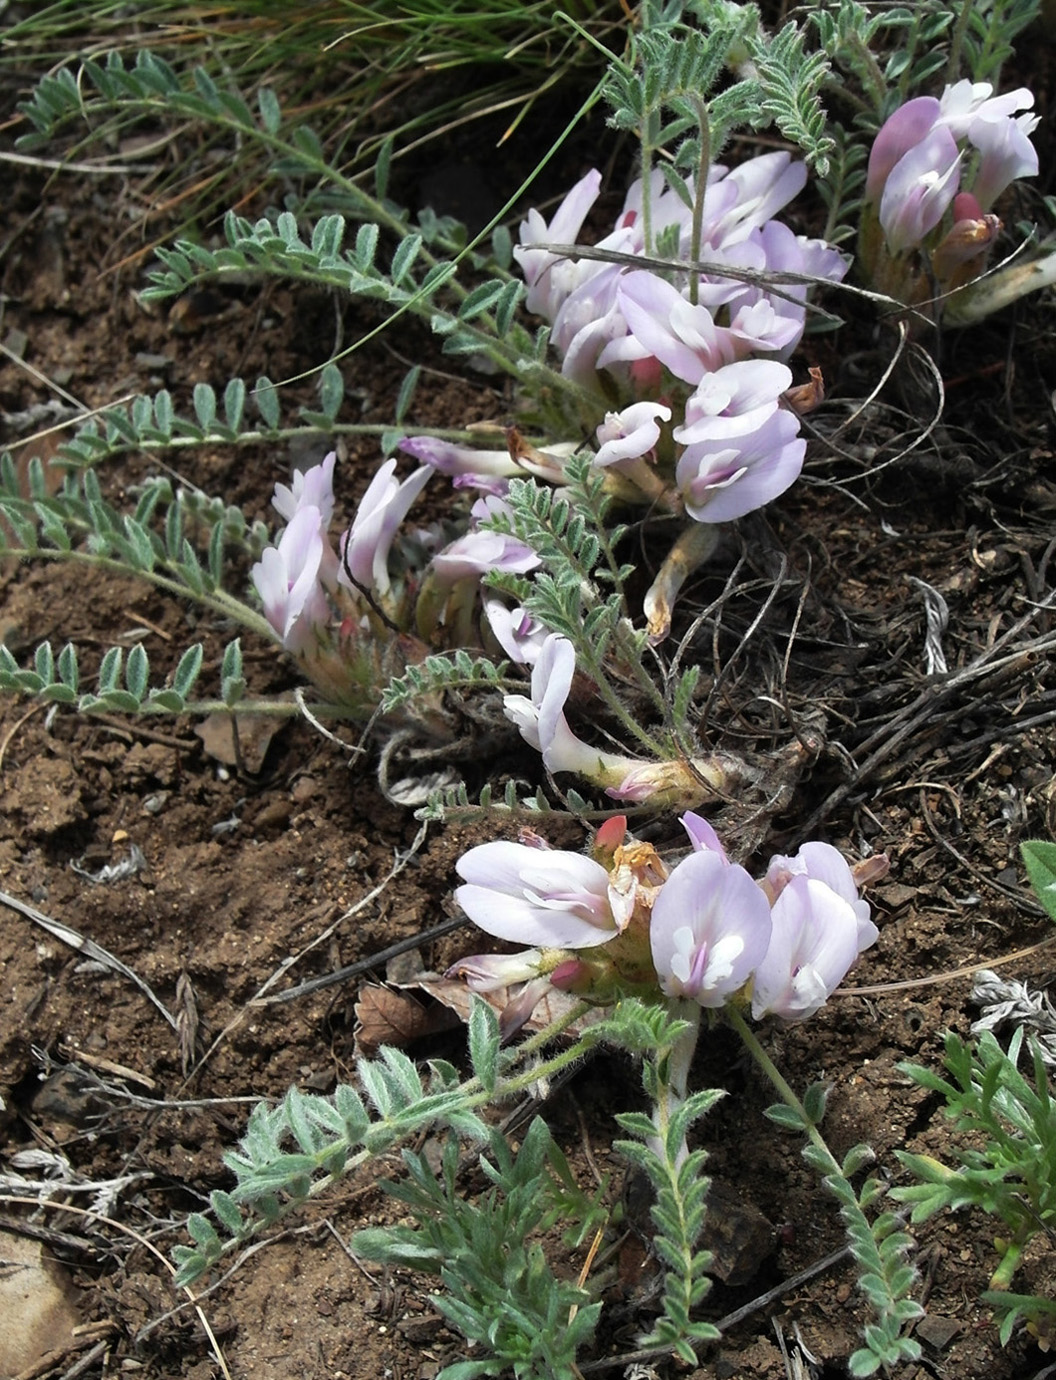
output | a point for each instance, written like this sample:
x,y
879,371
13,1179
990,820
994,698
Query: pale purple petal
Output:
x,y
701,835
919,190
822,863
722,480
287,579
789,253
681,336
551,681
630,434
966,102
550,279
749,195
710,928
1007,153
903,131
517,633
486,972
760,326
311,488
815,939
734,401
477,553
520,711
452,460
552,899
364,548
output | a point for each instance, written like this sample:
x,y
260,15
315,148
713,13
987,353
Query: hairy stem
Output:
x,y
700,191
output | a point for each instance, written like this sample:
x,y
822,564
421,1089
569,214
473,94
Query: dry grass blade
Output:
x,y
89,948
925,708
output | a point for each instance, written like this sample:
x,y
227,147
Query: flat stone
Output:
x,y
937,1332
36,1304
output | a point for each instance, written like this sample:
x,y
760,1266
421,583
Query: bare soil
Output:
x,y
245,870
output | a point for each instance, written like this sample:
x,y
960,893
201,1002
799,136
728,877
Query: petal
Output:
x,y
515,919
903,131
453,460
551,681
815,933
701,835
919,190
715,901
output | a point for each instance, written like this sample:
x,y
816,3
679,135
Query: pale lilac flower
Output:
x,y
820,926
919,190
490,470
914,172
666,327
709,930
784,252
551,899
966,105
734,401
541,718
589,319
453,460
492,972
1007,153
519,635
550,278
543,725
311,488
758,325
602,319
480,551
822,863
722,479
364,548
487,972
630,434
287,579
901,132
748,196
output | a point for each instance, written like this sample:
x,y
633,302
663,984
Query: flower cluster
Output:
x,y
300,577
703,427
936,169
705,931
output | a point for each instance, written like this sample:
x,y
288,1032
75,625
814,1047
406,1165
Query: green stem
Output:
x,y
700,191
784,1090
596,671
474,1095
960,28
673,1077
872,77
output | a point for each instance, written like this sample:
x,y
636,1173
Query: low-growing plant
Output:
x,y
655,399
1008,1169
657,948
